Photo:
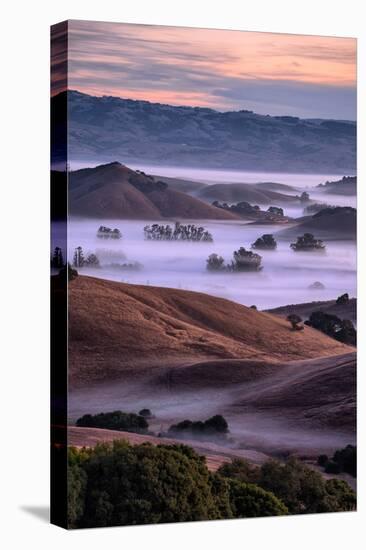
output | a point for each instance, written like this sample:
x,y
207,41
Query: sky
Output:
x,y
276,74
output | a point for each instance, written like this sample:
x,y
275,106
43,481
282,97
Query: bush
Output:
x,y
250,501
121,484
216,425
265,242
341,498
343,299
301,489
116,420
245,260
129,485
333,326
215,263
307,243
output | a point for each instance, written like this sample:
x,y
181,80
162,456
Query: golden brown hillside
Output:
x,y
118,329
115,191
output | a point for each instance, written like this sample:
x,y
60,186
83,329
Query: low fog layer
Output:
x,y
285,277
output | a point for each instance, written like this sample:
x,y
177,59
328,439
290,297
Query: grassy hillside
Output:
x,y
118,329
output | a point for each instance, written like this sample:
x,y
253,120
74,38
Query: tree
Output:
x,y
131,485
214,426
215,263
333,326
108,233
265,242
295,321
179,232
300,488
245,260
240,469
304,197
307,243
251,501
116,420
342,300
92,261
79,259
340,496
275,210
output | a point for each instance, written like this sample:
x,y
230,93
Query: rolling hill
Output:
x,y
115,191
186,186
338,223
108,128
118,329
346,186
237,192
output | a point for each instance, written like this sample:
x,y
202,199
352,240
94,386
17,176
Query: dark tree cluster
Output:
x,y
80,260
214,426
276,210
241,208
301,489
343,299
343,460
121,484
339,329
307,243
108,233
245,209
265,242
179,232
243,260
344,181
304,197
215,263
116,420
126,266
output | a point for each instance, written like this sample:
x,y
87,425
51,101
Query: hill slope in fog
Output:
x,y
338,223
115,191
237,192
118,329
111,128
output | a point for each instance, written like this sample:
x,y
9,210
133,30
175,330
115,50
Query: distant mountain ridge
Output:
x,y
109,128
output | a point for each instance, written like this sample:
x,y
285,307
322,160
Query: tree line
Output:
x,y
121,484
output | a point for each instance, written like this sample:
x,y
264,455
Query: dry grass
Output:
x,y
119,330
